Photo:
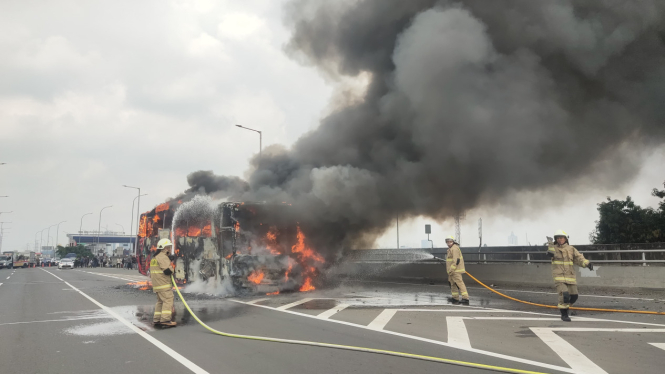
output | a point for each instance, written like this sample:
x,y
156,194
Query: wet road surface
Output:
x,y
90,320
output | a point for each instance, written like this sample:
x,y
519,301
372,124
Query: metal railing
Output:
x,y
626,256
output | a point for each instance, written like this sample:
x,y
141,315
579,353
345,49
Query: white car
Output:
x,y
66,263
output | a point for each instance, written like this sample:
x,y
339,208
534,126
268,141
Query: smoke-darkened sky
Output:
x,y
524,114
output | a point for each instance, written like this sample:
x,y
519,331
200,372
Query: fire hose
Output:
x,y
350,347
571,308
554,306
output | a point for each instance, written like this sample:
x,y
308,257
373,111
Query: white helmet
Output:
x,y
561,233
450,237
163,244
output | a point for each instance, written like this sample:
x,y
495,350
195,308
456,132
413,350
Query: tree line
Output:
x,y
623,221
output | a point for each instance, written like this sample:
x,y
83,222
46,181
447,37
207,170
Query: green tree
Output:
x,y
622,221
80,251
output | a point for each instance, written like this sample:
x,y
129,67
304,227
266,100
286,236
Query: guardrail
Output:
x,y
625,256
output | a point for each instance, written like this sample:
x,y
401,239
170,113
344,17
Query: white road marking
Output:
x,y
538,292
573,357
55,320
432,341
257,300
659,345
382,319
331,312
111,276
175,355
0,284
457,334
295,303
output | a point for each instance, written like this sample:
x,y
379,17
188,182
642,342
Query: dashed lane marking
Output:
x,y
659,345
332,311
257,300
295,303
457,334
177,356
382,319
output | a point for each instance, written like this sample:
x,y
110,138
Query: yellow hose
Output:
x,y
555,307
352,348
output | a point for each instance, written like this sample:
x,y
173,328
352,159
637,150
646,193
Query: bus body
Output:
x,y
248,243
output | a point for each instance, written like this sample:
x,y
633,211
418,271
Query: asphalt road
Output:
x,y
91,320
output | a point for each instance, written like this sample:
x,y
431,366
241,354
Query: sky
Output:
x,y
95,95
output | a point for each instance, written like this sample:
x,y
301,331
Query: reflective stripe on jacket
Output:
x,y
565,256
454,254
160,281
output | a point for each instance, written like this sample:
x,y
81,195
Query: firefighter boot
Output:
x,y
464,302
564,315
453,300
168,324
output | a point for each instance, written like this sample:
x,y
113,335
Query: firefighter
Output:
x,y
455,269
564,256
160,275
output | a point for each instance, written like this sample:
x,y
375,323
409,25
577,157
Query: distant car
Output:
x,y
66,263
5,262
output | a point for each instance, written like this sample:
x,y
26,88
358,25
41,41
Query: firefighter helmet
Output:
x,y
450,237
561,233
163,244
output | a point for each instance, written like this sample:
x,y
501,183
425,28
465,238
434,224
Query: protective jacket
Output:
x,y
565,256
159,263
454,260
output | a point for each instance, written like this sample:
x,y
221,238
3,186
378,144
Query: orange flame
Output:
x,y
236,226
272,293
256,277
271,241
161,207
155,218
307,286
303,250
142,228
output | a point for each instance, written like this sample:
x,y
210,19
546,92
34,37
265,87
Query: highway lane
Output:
x,y
408,318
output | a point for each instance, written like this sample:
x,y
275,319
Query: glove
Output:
x,y
550,254
168,272
171,257
590,266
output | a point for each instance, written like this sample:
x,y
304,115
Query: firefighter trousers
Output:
x,y
164,306
457,287
567,294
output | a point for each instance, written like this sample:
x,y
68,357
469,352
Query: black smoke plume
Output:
x,y
467,102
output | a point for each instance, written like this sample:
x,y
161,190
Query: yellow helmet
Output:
x,y
163,244
450,237
561,233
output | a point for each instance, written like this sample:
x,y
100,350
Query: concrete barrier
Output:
x,y
507,274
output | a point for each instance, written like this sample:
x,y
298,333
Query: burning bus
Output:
x,y
258,247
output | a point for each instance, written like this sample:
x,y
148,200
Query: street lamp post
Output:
x,y
138,209
81,227
131,225
36,240
260,138
99,227
41,240
123,229
48,235
57,235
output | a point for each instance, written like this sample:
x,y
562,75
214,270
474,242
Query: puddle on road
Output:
x,y
99,329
